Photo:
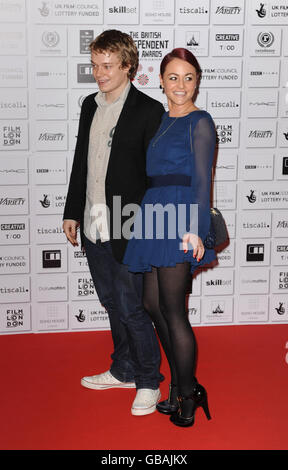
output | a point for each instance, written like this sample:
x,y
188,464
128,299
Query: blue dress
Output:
x,y
181,146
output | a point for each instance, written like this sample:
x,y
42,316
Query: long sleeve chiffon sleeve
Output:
x,y
203,144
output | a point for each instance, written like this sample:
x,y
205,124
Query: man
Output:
x,y
108,173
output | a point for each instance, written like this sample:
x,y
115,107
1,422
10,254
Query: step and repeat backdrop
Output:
x,y
45,73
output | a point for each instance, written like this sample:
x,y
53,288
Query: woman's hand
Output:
x,y
197,245
70,229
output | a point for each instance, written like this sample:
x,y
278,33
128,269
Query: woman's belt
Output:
x,y
168,180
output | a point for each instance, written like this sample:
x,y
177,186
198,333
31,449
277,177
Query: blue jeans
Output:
x,y
136,355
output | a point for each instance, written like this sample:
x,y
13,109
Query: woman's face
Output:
x,y
179,82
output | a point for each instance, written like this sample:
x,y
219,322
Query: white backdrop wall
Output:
x,y
45,73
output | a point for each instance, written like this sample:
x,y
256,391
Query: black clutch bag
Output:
x,y
218,233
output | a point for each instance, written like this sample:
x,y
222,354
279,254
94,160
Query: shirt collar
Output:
x,y
101,101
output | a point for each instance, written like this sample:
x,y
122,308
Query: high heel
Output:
x,y
188,406
170,405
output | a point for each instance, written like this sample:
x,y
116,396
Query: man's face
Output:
x,y
109,74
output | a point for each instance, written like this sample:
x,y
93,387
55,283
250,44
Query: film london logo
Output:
x,y
85,287
283,280
14,318
11,136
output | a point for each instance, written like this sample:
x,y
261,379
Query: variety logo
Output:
x,y
228,10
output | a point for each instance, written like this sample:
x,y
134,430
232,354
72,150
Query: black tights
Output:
x,y
165,301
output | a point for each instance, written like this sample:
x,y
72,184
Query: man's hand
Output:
x,y
196,242
70,230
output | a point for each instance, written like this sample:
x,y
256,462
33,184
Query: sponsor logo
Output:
x,y
122,9
283,280
255,252
85,287
261,12
251,197
45,202
86,37
51,258
280,309
50,136
285,166
265,39
227,10
50,39
14,318
85,73
80,317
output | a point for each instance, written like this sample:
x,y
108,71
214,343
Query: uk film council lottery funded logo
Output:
x,y
261,12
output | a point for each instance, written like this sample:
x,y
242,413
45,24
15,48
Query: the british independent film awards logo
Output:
x,y
265,39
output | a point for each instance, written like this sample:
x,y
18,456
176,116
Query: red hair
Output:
x,y
183,54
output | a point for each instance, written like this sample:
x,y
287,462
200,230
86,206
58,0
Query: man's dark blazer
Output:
x,y
126,172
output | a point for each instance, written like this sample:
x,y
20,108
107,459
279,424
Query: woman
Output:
x,y
179,162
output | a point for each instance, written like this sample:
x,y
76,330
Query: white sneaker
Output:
x,y
145,401
104,381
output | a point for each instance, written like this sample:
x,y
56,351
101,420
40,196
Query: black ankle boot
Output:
x,y
170,405
187,406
